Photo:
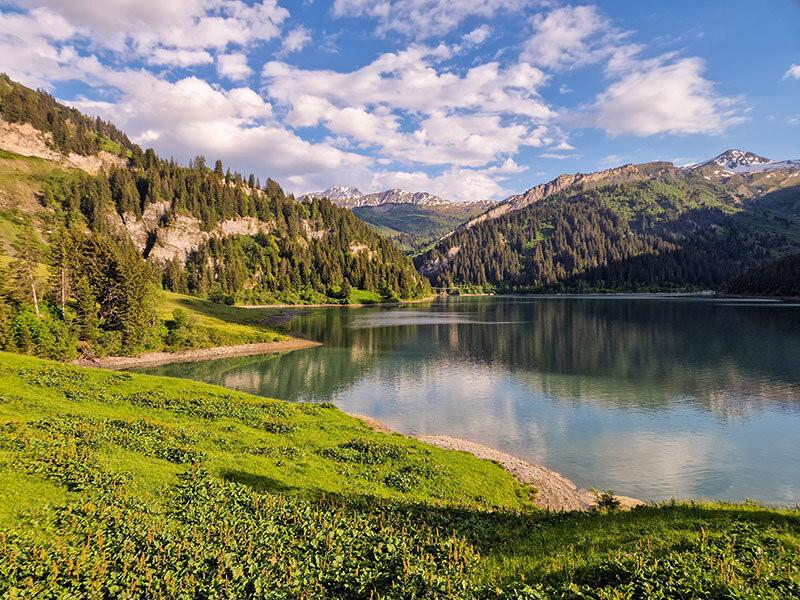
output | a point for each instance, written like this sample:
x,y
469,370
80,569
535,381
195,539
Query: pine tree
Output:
x,y
23,269
86,307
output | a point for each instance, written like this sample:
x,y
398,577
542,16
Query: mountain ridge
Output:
x,y
646,226
352,197
727,164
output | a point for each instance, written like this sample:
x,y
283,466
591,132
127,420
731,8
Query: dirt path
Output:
x,y
555,492
152,359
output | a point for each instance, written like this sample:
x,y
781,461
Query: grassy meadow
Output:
x,y
121,485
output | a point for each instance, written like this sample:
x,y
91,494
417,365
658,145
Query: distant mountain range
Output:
x,y
412,219
351,197
646,226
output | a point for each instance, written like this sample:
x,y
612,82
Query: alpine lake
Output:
x,y
655,397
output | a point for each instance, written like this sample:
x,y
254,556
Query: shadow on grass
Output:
x,y
259,483
265,317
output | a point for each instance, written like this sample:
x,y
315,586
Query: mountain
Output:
x,y
338,194
734,162
415,226
110,222
648,226
350,197
412,219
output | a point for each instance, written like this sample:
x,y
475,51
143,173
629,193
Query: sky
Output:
x,y
467,99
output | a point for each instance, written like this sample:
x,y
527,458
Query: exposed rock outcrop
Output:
x,y
26,140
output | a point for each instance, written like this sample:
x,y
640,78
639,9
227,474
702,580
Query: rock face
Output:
x,y
25,140
161,239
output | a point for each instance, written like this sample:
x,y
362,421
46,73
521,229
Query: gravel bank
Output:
x,y
152,359
555,492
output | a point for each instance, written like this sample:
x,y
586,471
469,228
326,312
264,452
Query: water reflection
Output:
x,y
654,397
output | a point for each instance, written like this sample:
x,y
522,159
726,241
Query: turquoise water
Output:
x,y
653,397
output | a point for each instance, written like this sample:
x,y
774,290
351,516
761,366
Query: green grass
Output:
x,y
224,325
365,297
124,485
113,147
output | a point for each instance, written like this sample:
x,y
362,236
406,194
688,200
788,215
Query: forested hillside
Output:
x,y
84,254
778,278
647,229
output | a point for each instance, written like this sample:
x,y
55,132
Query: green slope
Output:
x,y
661,231
121,485
414,226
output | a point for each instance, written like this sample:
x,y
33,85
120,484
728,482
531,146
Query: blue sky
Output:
x,y
469,99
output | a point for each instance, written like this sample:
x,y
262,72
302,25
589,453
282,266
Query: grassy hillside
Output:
x,y
121,485
220,324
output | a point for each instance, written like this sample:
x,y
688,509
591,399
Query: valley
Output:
x,y
242,321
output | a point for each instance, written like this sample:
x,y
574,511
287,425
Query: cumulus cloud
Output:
x,y
295,40
478,35
570,37
664,97
179,58
146,25
422,19
190,116
233,66
461,185
413,110
793,72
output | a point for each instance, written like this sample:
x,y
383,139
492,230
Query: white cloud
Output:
x,y
556,156
191,117
461,185
612,160
179,58
422,19
295,40
478,35
412,110
794,120
669,97
233,66
32,48
794,72
570,37
145,25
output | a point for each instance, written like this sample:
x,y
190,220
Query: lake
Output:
x,y
653,397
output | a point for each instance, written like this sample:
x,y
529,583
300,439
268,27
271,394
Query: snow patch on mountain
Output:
x,y
741,162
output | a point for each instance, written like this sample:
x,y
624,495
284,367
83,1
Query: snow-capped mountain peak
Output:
x,y
338,192
350,197
740,162
732,160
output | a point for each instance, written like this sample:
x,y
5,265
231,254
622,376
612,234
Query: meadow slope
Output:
x,y
121,485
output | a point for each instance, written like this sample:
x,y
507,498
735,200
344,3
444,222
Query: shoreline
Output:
x,y
336,305
554,491
154,359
